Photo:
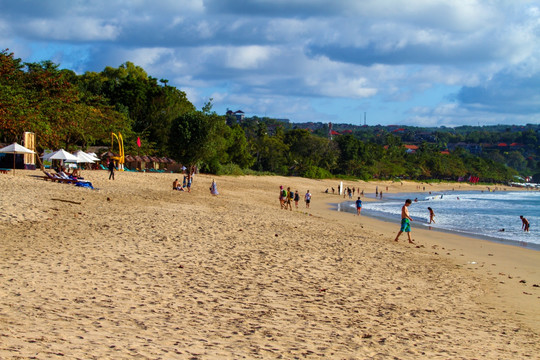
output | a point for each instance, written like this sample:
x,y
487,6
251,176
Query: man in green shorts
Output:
x,y
405,221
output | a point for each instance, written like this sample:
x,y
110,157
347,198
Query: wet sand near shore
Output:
x,y
136,270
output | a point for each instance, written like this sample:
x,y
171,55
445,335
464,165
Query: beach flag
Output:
x,y
138,141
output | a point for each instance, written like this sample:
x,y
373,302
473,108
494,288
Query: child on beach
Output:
x,y
358,206
405,221
213,188
307,198
431,215
525,223
282,196
289,199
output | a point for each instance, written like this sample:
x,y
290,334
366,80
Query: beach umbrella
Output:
x,y
93,156
60,155
15,149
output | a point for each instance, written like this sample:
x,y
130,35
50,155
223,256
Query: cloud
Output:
x,y
452,114
302,55
506,93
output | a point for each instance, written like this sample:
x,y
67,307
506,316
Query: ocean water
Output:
x,y
476,214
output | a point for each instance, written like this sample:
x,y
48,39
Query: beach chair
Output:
x,y
61,179
49,176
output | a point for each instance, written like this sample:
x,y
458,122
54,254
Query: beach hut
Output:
x,y
138,162
130,162
154,165
145,160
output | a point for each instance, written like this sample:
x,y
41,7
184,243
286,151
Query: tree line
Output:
x,y
72,111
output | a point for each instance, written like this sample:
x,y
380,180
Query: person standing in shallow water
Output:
x,y
405,221
431,215
525,223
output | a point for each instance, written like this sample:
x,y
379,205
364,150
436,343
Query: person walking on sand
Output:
x,y
307,199
189,181
297,198
111,170
525,223
290,197
213,188
358,206
282,196
431,215
405,221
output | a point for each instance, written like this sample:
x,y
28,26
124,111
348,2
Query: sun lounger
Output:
x,y
49,176
56,177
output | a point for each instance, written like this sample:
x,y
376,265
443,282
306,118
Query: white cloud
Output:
x,y
268,54
73,29
247,57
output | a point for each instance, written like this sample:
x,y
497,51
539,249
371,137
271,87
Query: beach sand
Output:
x,y
135,270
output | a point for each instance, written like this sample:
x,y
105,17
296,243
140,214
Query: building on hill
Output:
x,y
410,149
238,114
470,147
425,136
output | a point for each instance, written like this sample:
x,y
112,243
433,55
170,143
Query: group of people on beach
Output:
x,y
187,181
406,220
287,196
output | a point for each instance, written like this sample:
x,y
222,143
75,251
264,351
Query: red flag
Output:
x,y
138,141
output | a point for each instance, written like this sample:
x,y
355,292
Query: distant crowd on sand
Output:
x,y
350,191
286,198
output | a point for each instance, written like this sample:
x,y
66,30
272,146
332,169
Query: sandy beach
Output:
x,y
135,270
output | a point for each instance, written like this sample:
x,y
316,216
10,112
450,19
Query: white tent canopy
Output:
x,y
93,156
82,157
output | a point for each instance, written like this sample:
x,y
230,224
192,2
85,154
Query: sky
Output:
x,y
410,62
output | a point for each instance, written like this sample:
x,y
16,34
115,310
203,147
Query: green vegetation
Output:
x,y
76,111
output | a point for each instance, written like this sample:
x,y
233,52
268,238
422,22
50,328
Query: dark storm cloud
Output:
x,y
275,8
505,93
22,9
194,32
409,54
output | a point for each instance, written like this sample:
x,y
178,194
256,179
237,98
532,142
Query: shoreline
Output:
x,y
136,269
530,246
504,265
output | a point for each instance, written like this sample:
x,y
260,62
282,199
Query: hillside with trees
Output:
x,y
72,111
